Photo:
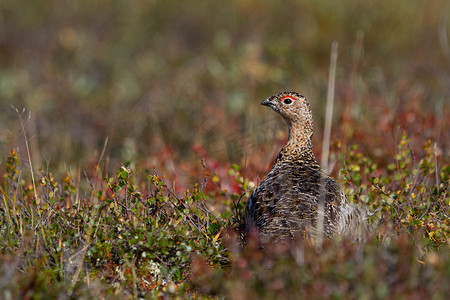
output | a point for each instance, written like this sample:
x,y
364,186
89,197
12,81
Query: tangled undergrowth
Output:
x,y
131,237
164,83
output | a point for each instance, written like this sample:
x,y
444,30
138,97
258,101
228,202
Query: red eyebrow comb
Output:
x,y
290,97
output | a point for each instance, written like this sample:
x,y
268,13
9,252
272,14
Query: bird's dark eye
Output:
x,y
287,101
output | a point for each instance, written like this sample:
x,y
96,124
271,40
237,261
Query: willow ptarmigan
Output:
x,y
285,204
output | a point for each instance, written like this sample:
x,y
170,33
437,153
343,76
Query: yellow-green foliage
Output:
x,y
413,193
140,240
112,89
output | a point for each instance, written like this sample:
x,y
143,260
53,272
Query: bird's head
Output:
x,y
293,107
295,110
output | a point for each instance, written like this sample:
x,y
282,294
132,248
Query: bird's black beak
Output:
x,y
267,102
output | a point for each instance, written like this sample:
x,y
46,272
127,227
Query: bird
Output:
x,y
296,194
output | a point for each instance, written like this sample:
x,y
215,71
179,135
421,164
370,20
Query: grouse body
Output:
x,y
285,205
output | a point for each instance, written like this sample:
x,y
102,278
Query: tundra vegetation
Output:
x,y
132,137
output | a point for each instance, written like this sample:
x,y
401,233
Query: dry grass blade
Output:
x,y
19,115
326,141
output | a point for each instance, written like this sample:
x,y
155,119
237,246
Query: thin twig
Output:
x,y
387,195
179,202
442,34
28,148
202,186
436,169
326,143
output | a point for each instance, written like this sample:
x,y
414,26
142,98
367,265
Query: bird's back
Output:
x,y
285,204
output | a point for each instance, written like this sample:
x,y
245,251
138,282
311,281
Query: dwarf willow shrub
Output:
x,y
133,239
410,193
124,238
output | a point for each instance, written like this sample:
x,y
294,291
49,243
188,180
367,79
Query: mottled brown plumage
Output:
x,y
285,204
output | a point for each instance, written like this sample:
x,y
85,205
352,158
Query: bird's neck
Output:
x,y
299,144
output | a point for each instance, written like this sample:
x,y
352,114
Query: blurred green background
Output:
x,y
173,80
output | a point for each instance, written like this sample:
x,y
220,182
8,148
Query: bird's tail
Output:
x,y
354,222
